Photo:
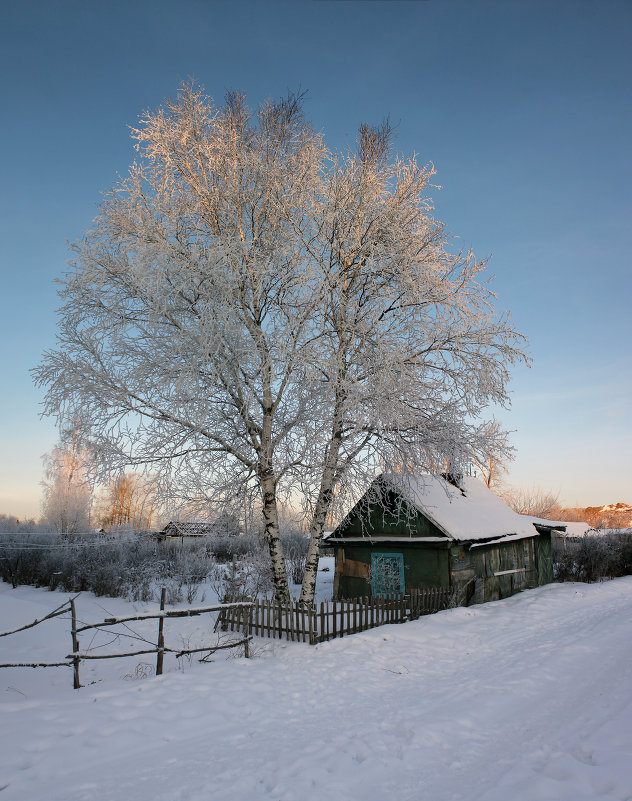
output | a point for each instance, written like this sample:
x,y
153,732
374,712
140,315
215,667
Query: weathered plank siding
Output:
x,y
480,574
352,578
503,569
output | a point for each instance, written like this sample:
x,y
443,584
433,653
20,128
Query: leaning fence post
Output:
x,y
161,637
75,645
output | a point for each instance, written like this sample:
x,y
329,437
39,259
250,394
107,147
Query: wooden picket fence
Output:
x,y
330,619
429,600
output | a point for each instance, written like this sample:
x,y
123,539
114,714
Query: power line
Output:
x,y
76,546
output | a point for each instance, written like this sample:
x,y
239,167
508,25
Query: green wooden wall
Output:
x,y
424,566
522,564
391,518
545,558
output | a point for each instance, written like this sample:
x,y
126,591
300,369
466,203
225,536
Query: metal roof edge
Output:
x,y
505,538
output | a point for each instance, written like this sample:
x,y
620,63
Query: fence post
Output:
x,y
161,638
247,613
75,645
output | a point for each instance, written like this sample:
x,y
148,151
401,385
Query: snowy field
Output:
x,y
526,699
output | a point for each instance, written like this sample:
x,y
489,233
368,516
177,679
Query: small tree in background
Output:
x,y
491,460
130,501
533,501
67,489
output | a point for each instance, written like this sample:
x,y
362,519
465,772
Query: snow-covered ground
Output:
x,y
526,699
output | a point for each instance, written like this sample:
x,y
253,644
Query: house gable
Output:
x,y
384,514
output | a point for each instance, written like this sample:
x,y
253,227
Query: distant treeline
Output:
x,y
11,524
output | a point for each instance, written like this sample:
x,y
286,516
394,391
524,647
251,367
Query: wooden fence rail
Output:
x,y
64,609
61,610
160,649
330,619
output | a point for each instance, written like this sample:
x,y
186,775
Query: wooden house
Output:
x,y
415,531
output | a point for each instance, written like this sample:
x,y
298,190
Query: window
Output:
x,y
387,573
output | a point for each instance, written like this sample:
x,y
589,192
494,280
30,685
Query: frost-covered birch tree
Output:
x,y
67,489
253,316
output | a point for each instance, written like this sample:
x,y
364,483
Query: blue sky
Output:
x,y
524,107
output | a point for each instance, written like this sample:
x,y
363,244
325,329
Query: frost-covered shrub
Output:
x,y
133,566
594,558
248,577
295,550
126,566
564,566
625,553
226,547
23,557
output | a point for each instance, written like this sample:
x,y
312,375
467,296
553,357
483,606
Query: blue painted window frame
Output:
x,y
395,557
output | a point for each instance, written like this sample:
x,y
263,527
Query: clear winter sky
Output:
x,y
523,106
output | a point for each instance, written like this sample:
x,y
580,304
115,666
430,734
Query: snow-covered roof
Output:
x,y
473,512
574,529
177,529
571,529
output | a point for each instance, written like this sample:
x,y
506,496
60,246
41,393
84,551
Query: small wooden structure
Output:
x,y
409,532
181,530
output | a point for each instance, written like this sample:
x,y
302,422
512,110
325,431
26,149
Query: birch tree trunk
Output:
x,y
325,494
323,503
273,539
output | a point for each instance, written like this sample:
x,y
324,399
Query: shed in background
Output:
x,y
177,529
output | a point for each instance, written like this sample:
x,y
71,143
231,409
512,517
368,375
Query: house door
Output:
x,y
545,559
387,573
